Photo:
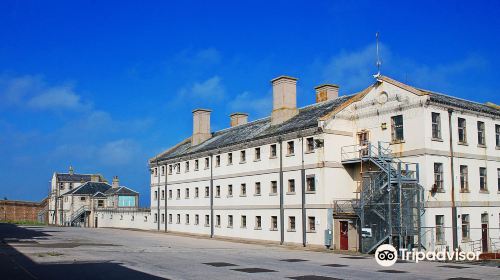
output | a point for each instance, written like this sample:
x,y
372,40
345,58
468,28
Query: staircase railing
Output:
x,y
76,215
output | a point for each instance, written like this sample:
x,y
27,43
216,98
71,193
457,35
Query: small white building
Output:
x,y
291,177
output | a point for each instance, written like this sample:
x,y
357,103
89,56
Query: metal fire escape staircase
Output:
x,y
78,216
390,201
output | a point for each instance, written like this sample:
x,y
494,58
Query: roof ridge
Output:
x,y
455,97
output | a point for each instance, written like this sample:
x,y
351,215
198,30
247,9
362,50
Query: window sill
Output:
x,y
229,164
497,147
206,168
196,169
217,226
217,196
218,165
463,143
394,142
229,226
229,195
257,228
273,194
196,197
243,195
311,231
464,191
273,229
243,227
290,155
207,225
481,146
207,196
484,191
310,192
257,194
309,152
465,239
178,198
290,193
187,224
273,157
290,230
256,160
243,162
437,139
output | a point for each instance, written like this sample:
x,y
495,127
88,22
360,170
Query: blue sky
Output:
x,y
104,85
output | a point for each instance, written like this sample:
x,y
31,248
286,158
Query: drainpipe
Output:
x,y
303,193
282,210
166,197
211,197
158,195
452,170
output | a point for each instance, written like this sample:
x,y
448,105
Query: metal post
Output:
x,y
282,210
303,193
211,198
400,206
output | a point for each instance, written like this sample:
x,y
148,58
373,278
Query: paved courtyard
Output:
x,y
82,253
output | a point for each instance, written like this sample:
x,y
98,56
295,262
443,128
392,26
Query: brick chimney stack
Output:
x,y
116,182
326,92
284,99
201,126
238,118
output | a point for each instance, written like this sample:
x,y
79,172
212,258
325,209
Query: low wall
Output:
x,y
125,218
15,210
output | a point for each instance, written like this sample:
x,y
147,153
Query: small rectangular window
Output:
x,y
229,190
482,179
230,158
217,220
438,176
291,186
178,168
217,160
436,125
162,218
465,226
217,191
257,188
187,166
310,144
462,131
162,194
196,165
243,190
230,221
243,156
481,134
156,218
207,220
187,193
156,195
187,219
169,194
498,179
464,178
170,168
397,128
207,191
207,163
311,221
178,218
196,219
163,170
258,222
440,229
169,218
243,221
310,183
257,153
290,148
497,135
291,223
196,192
178,193
274,222
273,153
274,187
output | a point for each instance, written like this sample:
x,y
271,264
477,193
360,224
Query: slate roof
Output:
x,y
121,190
90,188
461,103
306,118
66,177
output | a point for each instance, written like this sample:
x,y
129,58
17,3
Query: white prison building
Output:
x,y
392,163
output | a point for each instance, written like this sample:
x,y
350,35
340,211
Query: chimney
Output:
x,y
238,118
95,178
201,126
116,182
326,92
71,171
284,99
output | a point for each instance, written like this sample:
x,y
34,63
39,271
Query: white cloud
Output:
x,y
210,89
247,102
33,91
118,152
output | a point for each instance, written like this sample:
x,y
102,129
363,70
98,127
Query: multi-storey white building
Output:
x,y
287,177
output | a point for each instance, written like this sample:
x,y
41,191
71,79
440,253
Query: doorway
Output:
x,y
484,231
363,141
344,235
95,222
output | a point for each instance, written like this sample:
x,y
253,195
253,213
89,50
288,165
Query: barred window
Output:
x,y
397,128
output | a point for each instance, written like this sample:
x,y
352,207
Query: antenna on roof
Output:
x,y
379,63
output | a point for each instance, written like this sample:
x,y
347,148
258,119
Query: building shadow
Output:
x,y
15,265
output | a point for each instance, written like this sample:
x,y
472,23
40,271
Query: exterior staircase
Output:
x,y
77,216
391,199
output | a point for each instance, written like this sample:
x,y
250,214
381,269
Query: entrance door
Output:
x,y
363,141
484,237
95,222
344,237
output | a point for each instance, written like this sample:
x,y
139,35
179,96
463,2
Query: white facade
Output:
x,y
244,180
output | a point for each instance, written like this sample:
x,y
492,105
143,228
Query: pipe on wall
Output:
x,y
211,197
282,210
452,170
303,194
